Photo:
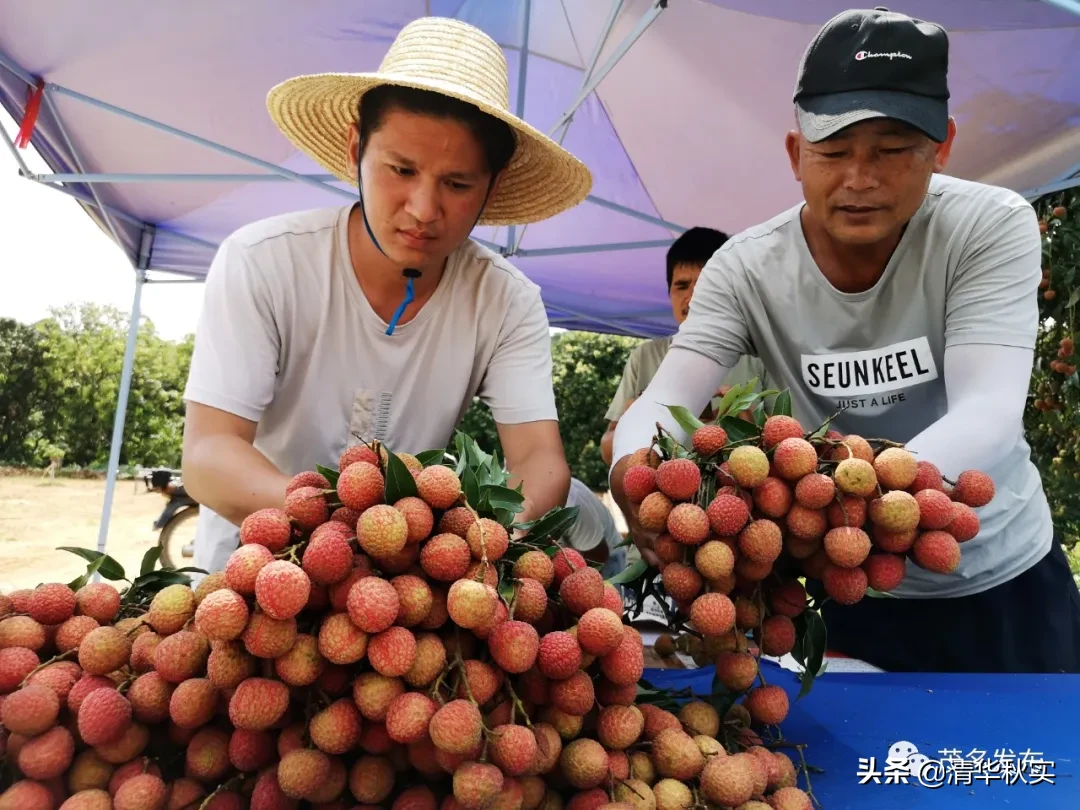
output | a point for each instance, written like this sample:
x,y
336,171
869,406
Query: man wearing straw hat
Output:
x,y
907,299
381,319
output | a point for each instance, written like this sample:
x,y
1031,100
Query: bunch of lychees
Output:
x,y
380,641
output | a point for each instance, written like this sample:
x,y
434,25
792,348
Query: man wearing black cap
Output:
x,y
908,299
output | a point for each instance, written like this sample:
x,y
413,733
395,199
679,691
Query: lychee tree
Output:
x,y
1052,418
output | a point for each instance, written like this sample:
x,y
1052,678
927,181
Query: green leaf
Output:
x,y
813,640
553,524
739,429
156,580
499,497
880,594
430,458
759,417
150,559
730,400
630,573
399,481
1074,296
109,568
687,421
329,474
90,571
470,487
782,404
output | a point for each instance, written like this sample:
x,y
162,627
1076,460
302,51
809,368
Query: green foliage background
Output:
x,y
59,380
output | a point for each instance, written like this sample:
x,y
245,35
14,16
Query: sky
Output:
x,y
52,253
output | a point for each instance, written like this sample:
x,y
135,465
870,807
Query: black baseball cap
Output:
x,y
874,64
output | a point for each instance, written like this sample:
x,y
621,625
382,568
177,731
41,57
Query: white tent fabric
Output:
x,y
153,115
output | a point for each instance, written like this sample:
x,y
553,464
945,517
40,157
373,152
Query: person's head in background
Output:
x,y
685,259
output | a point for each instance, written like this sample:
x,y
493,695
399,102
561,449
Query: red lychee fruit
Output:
x,y
574,695
52,603
896,468
193,703
361,485
514,646
619,727
681,581
626,663
476,785
303,663
708,440
854,476
815,491
439,486
30,711
104,716
171,608
806,524
654,510
513,749
487,539
688,524
790,798
535,565
788,599
714,560
928,476
847,546
359,452
456,727
258,703
565,562
584,763
222,616
896,511
852,446
884,572
104,650
392,652
382,531
307,478
894,542
638,482
98,600
418,517
244,566
328,556
346,516
935,509
266,527
777,636
71,633
728,781
773,498
768,705
849,510
846,586
582,591
761,541
282,589
340,641
678,478
456,521
265,637
336,729
974,488
307,508
749,466
15,664
728,514
964,525
530,600
559,655
471,604
736,670
713,614
936,551
599,631
794,458
780,427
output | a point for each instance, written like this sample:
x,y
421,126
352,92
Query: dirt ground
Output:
x,y
37,517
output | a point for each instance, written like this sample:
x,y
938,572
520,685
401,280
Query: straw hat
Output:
x,y
449,57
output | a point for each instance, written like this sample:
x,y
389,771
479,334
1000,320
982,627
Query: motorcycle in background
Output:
x,y
176,523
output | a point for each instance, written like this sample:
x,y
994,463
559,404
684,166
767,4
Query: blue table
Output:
x,y
847,719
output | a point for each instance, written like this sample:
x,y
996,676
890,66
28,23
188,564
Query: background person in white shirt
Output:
x,y
933,281
381,319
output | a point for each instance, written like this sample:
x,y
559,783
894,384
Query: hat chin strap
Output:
x,y
410,273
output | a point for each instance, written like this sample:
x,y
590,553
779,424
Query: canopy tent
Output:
x,y
153,116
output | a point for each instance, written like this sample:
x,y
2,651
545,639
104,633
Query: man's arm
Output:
x,y
221,468
230,383
607,443
535,458
624,396
991,324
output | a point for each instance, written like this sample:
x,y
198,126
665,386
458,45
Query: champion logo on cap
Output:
x,y
890,55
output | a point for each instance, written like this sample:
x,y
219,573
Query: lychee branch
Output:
x,y
235,782
56,658
517,706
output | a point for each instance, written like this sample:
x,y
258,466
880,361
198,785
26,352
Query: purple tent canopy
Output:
x,y
153,115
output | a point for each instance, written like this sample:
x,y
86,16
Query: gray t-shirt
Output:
x,y
952,280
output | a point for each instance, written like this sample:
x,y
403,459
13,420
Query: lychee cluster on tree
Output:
x,y
388,639
754,508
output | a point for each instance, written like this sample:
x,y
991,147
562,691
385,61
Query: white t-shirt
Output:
x,y
287,339
966,271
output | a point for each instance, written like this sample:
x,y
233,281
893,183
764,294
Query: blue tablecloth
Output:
x,y
850,721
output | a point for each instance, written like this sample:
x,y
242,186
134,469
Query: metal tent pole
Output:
x,y
145,245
